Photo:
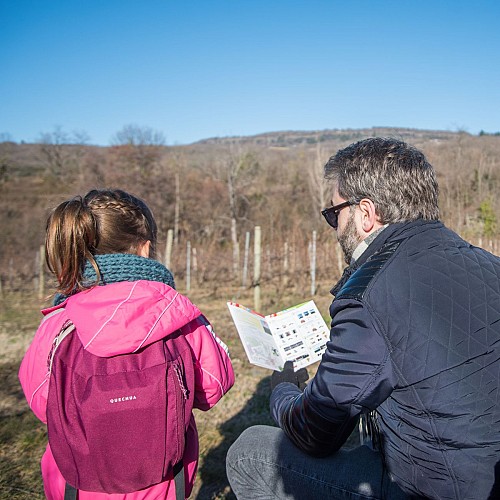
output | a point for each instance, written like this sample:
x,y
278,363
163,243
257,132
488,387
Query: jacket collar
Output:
x,y
393,232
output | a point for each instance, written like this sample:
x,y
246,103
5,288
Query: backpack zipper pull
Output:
x,y
177,371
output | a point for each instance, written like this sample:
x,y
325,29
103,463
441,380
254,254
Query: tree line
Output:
x,y
212,194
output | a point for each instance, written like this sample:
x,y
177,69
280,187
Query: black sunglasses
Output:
x,y
331,214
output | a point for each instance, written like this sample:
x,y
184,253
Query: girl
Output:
x,y
101,249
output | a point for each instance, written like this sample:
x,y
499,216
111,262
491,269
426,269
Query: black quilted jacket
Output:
x,y
416,337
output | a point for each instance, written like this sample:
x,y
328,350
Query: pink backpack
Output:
x,y
118,424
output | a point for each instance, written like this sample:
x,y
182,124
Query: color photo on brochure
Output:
x,y
297,334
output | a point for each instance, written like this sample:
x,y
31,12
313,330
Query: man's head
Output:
x,y
394,175
385,181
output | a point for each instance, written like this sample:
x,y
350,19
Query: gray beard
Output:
x,y
349,239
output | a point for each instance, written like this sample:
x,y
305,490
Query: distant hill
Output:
x,y
292,138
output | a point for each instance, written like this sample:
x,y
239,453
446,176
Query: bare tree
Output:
x,y
136,135
140,147
318,187
240,170
62,152
52,149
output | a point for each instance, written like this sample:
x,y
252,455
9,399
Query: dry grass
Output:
x,y
23,438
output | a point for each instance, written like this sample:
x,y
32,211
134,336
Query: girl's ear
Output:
x,y
143,250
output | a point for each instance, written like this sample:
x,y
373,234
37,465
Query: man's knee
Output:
x,y
250,440
248,463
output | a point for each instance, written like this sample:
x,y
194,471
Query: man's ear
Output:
x,y
369,219
143,250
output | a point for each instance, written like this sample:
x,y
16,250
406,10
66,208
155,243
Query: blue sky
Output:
x,y
198,69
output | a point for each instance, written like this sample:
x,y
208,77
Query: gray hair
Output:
x,y
394,175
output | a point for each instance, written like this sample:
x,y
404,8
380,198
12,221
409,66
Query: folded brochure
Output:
x,y
298,334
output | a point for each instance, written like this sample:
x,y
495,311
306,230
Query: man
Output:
x,y
414,349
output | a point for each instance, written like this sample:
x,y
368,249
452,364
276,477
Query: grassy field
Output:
x,y
23,437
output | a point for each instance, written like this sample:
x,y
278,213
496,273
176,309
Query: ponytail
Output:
x,y
71,237
102,222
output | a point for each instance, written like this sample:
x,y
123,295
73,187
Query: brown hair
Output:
x,y
394,175
101,222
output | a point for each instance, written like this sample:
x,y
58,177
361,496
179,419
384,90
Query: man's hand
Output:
x,y
288,375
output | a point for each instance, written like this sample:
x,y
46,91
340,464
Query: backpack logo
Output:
x,y
118,424
119,400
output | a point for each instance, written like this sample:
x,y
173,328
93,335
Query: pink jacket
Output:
x,y
117,319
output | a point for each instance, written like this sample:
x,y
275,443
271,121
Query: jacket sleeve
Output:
x,y
34,369
214,374
354,377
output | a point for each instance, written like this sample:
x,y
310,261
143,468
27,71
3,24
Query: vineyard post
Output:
x,y
256,268
168,248
245,259
313,264
285,263
195,264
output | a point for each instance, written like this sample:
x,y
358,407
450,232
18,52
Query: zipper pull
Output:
x,y
177,371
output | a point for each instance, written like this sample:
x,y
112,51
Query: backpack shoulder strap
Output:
x,y
70,492
179,481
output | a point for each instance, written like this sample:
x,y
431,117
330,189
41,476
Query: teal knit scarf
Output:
x,y
118,267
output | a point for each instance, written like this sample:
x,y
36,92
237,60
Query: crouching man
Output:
x,y
414,350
